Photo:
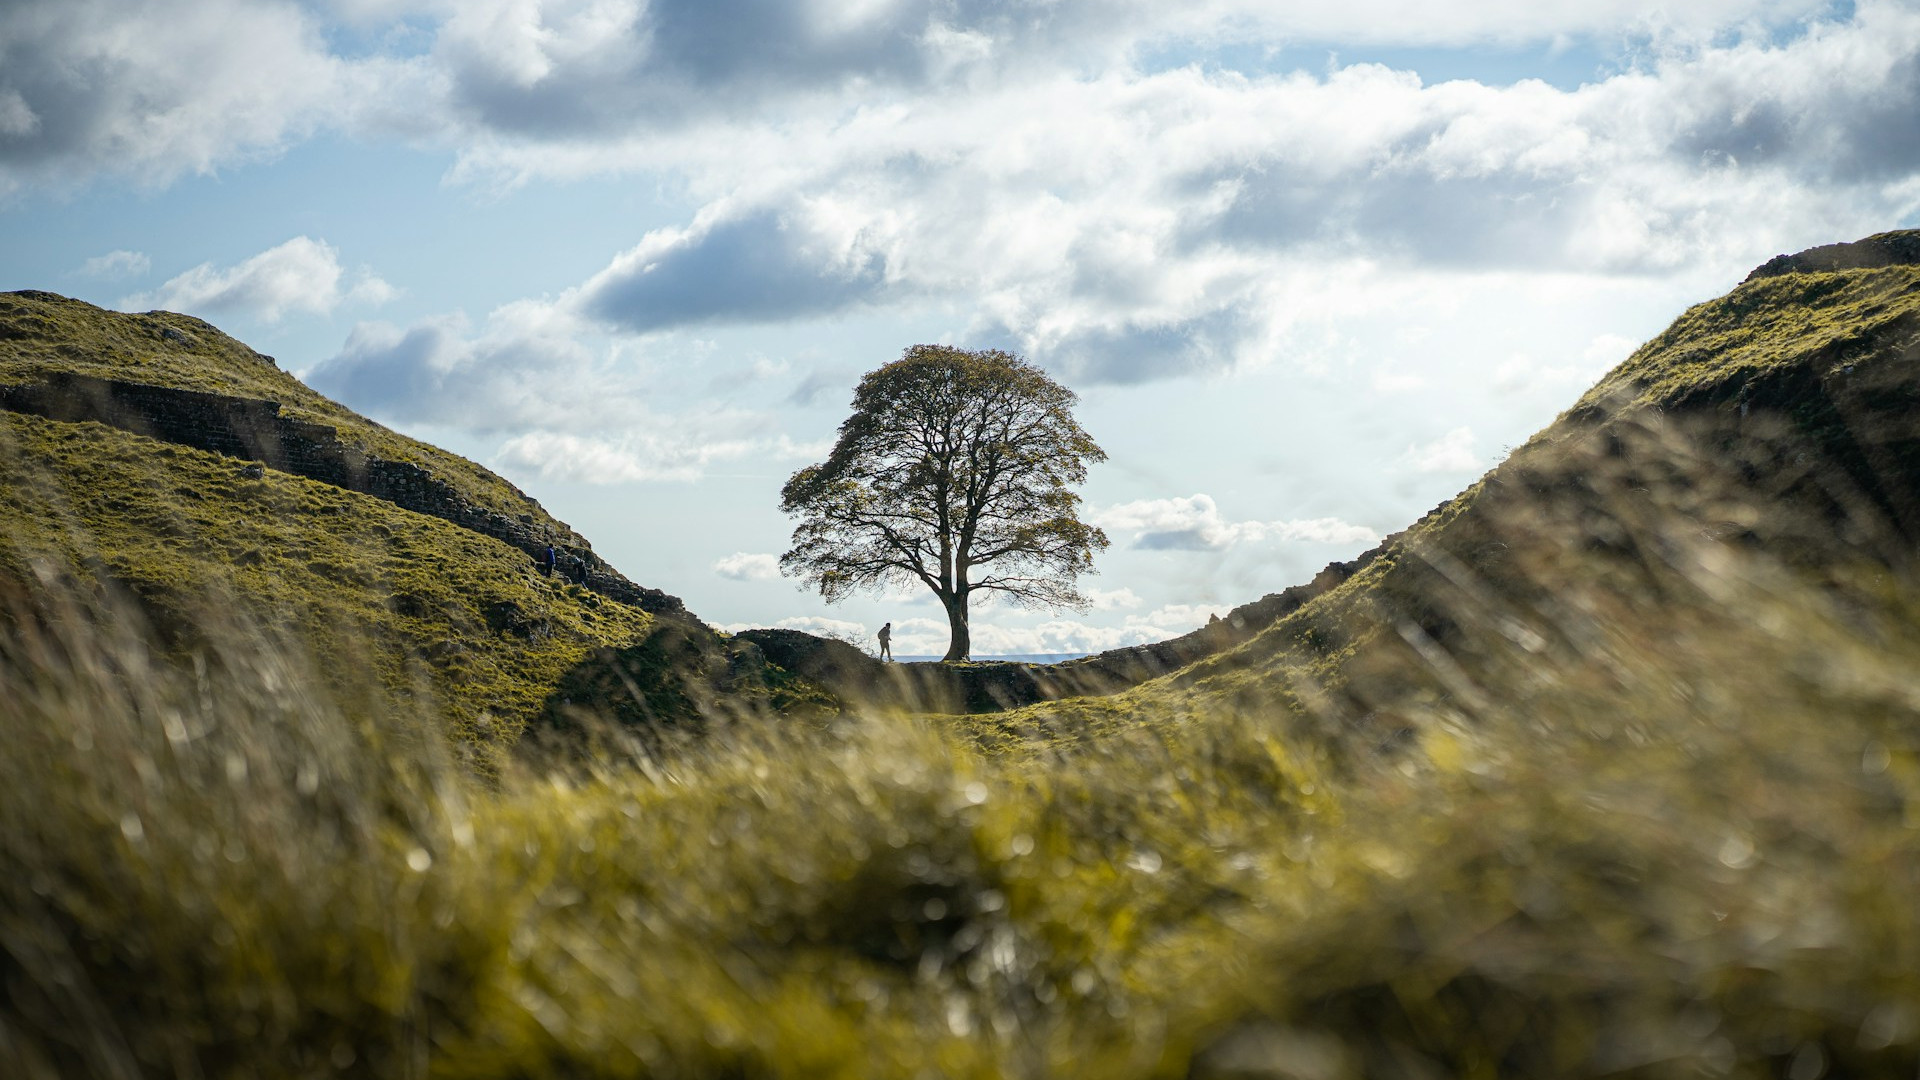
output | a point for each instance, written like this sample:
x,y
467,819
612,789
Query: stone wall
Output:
x,y
254,430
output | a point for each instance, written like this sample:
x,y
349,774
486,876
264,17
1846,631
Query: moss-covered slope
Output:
x,y
42,332
437,608
376,599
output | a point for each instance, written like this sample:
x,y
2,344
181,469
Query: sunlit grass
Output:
x,y
390,609
49,333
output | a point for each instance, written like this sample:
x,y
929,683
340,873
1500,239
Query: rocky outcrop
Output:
x,y
255,430
1883,249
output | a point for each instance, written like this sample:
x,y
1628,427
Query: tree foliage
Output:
x,y
954,471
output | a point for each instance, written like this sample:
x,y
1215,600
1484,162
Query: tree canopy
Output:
x,y
954,471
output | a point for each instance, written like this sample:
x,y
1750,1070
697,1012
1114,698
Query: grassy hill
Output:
x,y
1773,427
1608,767
377,598
43,332
385,609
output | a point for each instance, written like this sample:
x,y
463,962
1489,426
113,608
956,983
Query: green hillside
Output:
x,y
375,597
1776,422
1610,766
42,332
380,608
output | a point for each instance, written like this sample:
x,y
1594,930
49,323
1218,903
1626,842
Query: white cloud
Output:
x,y
115,266
302,275
1521,372
1029,166
677,456
916,636
1194,523
526,367
1112,599
762,266
747,566
571,409
1184,617
1450,453
148,89
1123,225
1606,352
566,73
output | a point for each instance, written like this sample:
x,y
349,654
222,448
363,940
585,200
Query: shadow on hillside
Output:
x,y
678,683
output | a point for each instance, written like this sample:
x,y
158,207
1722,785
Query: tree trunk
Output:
x,y
961,643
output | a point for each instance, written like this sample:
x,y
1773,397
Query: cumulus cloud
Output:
x,y
115,266
1194,523
1041,170
526,366
301,275
1450,453
149,89
759,267
563,68
673,455
1112,599
822,383
1122,224
567,410
1116,217
748,566
564,72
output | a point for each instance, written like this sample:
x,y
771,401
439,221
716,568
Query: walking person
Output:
x,y
886,641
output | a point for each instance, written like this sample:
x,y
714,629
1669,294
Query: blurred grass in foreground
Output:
x,y
1678,839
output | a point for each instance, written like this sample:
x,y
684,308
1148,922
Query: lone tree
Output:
x,y
953,471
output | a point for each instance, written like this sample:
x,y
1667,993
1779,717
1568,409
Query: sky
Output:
x,y
1312,268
